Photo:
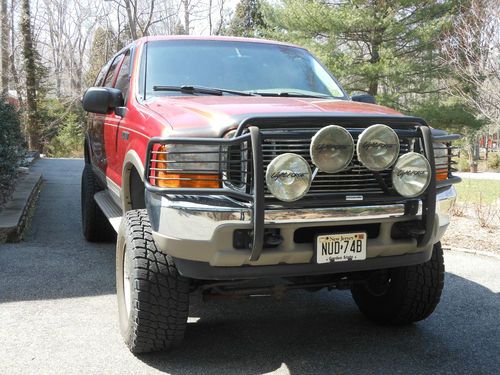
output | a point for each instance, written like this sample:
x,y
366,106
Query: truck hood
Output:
x,y
211,116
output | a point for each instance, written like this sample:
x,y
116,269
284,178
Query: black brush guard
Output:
x,y
248,131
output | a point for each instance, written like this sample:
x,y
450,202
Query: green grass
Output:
x,y
475,191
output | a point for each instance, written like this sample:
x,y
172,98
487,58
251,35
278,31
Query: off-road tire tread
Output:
x,y
160,296
95,225
418,292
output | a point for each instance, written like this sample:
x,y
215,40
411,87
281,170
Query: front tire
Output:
x,y
153,298
95,225
403,295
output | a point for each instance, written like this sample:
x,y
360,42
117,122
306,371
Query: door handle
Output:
x,y
125,135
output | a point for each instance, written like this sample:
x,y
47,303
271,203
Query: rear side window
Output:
x,y
111,72
100,77
123,79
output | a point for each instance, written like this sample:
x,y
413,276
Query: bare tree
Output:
x,y
196,11
472,50
5,48
187,15
63,32
64,35
216,15
14,51
143,15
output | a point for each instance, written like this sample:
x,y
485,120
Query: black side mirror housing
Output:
x,y
102,99
364,98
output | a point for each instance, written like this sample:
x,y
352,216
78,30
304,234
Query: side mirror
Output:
x,y
102,99
364,98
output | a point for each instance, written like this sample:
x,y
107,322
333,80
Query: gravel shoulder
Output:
x,y
465,232
59,314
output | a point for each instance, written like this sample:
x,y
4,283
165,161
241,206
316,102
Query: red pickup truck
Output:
x,y
240,167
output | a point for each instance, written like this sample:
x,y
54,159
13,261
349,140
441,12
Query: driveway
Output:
x,y
480,175
58,314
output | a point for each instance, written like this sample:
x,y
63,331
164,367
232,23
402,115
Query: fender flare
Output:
x,y
131,160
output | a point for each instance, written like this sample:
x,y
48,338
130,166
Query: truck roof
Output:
x,y
215,38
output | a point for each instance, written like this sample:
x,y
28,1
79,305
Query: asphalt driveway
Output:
x,y
58,314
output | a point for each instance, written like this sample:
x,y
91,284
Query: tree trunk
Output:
x,y
5,49
187,21
210,26
375,58
13,70
132,21
33,126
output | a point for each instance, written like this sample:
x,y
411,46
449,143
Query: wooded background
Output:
x,y
435,59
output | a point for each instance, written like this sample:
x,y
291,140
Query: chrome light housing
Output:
x,y
332,149
441,161
235,163
378,147
411,175
192,158
288,177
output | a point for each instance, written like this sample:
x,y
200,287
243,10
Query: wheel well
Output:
x,y
86,152
136,186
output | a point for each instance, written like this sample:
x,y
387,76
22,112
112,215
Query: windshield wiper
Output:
x,y
291,94
188,89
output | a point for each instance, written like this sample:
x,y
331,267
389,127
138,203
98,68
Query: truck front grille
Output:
x,y
354,180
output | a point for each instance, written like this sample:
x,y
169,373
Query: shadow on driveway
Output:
x,y
323,333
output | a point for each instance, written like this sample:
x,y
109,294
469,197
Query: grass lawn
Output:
x,y
470,190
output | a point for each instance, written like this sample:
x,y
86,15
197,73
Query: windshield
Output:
x,y
260,68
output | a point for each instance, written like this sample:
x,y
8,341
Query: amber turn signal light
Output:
x,y
184,180
441,174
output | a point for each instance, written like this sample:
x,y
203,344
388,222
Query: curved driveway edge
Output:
x,y
473,252
15,215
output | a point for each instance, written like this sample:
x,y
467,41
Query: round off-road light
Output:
x,y
288,177
411,175
378,147
332,148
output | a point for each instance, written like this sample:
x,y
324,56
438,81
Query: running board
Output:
x,y
109,208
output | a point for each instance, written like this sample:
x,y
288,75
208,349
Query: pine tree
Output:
x,y
247,19
385,48
102,49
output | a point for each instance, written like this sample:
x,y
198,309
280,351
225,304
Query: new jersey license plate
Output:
x,y
340,247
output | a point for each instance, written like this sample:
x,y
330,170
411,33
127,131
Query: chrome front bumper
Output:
x,y
200,228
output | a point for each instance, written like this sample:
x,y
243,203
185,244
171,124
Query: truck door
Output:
x,y
123,131
102,132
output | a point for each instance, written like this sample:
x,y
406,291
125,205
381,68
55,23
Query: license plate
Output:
x,y
340,247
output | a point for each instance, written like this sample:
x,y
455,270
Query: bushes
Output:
x,y
463,164
69,139
12,147
62,121
494,161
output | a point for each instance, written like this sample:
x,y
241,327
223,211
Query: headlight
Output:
x,y
187,166
411,175
378,147
332,148
288,177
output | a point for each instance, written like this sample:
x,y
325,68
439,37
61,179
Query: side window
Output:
x,y
142,71
123,79
111,72
100,76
